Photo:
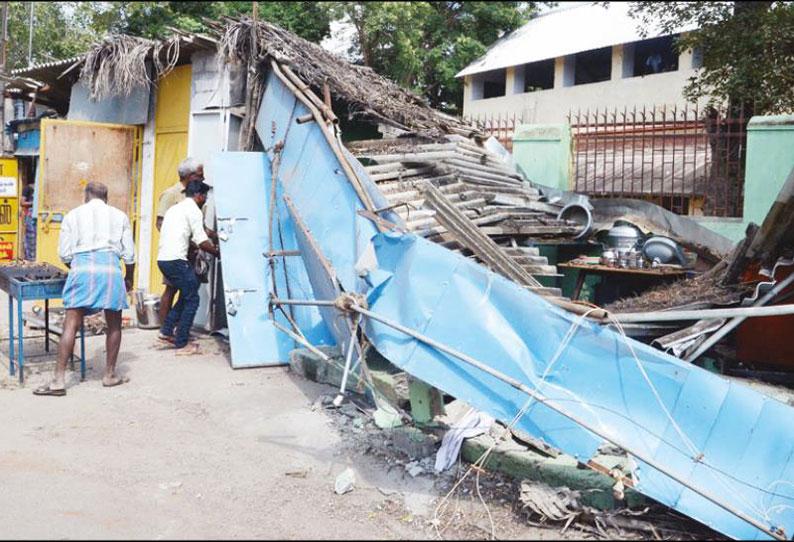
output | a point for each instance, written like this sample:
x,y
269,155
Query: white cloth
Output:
x,y
181,222
96,226
472,424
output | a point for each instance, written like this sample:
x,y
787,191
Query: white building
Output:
x,y
578,56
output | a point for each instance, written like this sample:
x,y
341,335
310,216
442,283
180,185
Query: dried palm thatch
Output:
x,y
705,290
117,64
369,96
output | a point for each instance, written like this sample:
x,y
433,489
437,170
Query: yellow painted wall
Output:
x,y
9,209
172,115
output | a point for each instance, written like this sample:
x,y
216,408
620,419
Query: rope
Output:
x,y
699,457
477,465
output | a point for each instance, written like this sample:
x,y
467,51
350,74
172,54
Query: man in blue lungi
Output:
x,y
94,237
183,223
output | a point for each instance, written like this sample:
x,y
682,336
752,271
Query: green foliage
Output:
x,y
747,48
65,29
50,40
422,45
309,20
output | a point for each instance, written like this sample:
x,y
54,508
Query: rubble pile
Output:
x,y
485,191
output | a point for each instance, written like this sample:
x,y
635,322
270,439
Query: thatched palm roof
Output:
x,y
119,63
368,95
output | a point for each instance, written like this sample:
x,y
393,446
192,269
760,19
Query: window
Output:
x,y
488,84
538,75
593,66
697,58
657,55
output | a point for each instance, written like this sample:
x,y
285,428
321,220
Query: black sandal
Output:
x,y
46,390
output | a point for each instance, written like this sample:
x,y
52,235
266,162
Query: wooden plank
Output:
x,y
472,238
597,268
76,153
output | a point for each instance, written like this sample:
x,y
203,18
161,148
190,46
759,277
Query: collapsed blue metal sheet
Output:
x,y
312,175
746,439
242,199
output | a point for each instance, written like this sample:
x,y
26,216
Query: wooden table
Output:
x,y
598,269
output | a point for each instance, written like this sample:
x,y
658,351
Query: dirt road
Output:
x,y
192,449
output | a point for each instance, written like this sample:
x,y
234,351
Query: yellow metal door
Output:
x,y
72,154
172,115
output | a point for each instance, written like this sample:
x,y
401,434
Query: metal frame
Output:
x,y
39,290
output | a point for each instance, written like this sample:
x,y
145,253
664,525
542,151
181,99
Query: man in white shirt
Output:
x,y
182,224
94,237
189,169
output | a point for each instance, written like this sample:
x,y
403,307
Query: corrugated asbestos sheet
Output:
x,y
487,192
715,450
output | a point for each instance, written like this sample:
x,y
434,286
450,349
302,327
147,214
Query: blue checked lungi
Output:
x,y
95,282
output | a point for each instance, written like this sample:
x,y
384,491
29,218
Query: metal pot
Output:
x,y
663,250
609,257
623,237
147,308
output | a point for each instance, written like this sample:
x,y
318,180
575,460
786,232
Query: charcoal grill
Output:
x,y
29,281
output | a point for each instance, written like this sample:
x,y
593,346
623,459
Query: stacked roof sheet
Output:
x,y
478,183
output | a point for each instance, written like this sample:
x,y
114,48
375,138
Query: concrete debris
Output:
x,y
386,417
413,443
414,469
345,481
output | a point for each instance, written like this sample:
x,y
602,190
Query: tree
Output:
x,y
58,31
65,29
747,49
310,20
422,45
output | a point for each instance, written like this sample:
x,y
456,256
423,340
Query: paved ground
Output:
x,y
192,449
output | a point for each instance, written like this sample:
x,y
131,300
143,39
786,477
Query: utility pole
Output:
x,y
4,38
30,35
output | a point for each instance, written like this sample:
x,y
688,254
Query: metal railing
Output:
x,y
688,160
500,126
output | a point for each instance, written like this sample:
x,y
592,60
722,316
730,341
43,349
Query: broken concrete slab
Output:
x,y
413,442
521,463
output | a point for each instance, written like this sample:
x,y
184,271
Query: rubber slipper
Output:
x,y
165,338
46,390
119,382
192,349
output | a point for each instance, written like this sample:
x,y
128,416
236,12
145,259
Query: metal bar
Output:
x,y
725,329
349,356
46,325
21,363
704,314
11,334
276,253
642,166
